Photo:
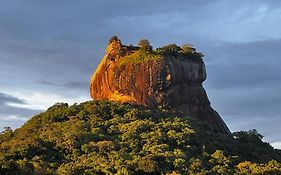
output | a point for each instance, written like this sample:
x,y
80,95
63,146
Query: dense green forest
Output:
x,y
102,137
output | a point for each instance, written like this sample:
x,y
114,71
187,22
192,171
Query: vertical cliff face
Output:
x,y
128,75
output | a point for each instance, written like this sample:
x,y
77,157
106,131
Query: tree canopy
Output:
x,y
144,45
102,137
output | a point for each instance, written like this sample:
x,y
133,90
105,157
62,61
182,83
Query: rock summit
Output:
x,y
169,77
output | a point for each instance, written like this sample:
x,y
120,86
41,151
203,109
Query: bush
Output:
x,y
171,49
187,48
144,45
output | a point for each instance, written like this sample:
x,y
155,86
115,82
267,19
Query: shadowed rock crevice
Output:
x,y
128,74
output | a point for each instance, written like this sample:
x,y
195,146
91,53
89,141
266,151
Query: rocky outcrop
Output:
x,y
172,82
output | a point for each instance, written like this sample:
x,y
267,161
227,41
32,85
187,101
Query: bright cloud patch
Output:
x,y
41,101
12,117
276,145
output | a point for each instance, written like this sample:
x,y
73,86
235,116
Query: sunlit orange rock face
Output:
x,y
169,82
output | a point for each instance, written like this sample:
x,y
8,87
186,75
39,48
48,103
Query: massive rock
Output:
x,y
166,81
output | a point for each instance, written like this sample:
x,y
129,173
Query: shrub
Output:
x,y
171,49
144,45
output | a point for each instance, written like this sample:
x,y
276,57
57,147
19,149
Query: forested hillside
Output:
x,y
102,137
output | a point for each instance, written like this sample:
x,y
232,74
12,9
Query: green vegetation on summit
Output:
x,y
145,52
102,137
139,57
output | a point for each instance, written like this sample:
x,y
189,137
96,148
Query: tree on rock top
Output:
x,y
170,49
187,48
144,45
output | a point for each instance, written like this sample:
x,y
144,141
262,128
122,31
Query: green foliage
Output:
x,y
246,167
187,48
184,52
145,53
102,137
6,135
171,49
139,57
145,46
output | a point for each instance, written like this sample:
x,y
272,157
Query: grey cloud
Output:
x,y
248,108
76,84
88,20
70,84
13,116
244,65
7,110
63,64
5,98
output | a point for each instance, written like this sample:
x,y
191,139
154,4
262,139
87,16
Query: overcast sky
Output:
x,y
50,48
